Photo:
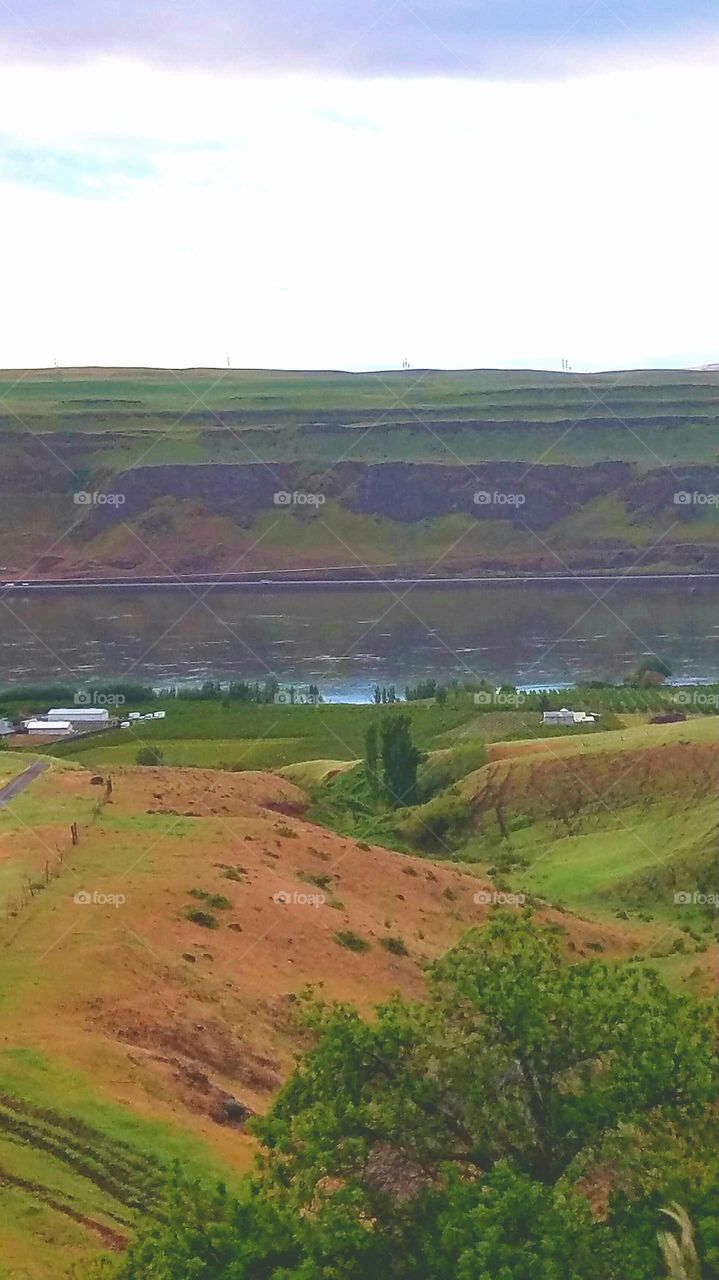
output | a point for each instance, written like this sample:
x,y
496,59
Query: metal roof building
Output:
x,y
91,715
48,726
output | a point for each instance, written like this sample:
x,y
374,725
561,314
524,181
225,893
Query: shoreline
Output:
x,y
229,581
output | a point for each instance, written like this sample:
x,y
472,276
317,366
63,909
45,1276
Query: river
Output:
x,y
346,639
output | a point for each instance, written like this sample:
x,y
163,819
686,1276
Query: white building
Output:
x,y
567,717
80,715
48,726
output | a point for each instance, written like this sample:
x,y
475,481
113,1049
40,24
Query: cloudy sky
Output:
x,y
310,183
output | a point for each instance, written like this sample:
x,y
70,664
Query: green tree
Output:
x,y
517,1056
651,672
452,1139
400,761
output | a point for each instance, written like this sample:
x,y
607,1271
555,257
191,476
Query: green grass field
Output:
x,y
229,416
247,736
233,735
602,823
503,394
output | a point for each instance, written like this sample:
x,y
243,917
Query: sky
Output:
x,y
306,184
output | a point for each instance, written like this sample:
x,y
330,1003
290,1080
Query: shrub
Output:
x,y
149,756
233,873
395,945
442,821
216,900
351,941
203,918
322,880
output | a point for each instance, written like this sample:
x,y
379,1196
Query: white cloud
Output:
x,y
315,222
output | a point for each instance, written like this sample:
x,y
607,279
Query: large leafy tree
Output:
x,y
459,1138
517,1056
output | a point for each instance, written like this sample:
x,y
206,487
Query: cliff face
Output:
x,y
534,496
495,517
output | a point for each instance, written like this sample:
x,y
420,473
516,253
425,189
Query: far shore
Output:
x,y
283,580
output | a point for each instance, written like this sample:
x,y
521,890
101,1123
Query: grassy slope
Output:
x,y
34,826
104,1011
81,397
103,422
603,822
118,1023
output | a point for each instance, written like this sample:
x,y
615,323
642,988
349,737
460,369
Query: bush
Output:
x,y
442,821
203,918
351,941
322,881
149,756
395,945
216,900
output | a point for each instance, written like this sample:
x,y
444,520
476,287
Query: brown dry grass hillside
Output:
x,y
169,1016
147,1023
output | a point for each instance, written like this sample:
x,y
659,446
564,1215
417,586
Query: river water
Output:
x,y
345,639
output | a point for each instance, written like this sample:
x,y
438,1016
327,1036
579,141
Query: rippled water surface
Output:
x,y
347,638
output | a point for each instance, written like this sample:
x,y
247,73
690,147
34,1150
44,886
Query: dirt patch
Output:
x,y
205,792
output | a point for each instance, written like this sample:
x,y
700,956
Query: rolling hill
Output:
x,y
151,973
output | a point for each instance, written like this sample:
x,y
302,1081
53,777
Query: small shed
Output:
x,y
567,717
